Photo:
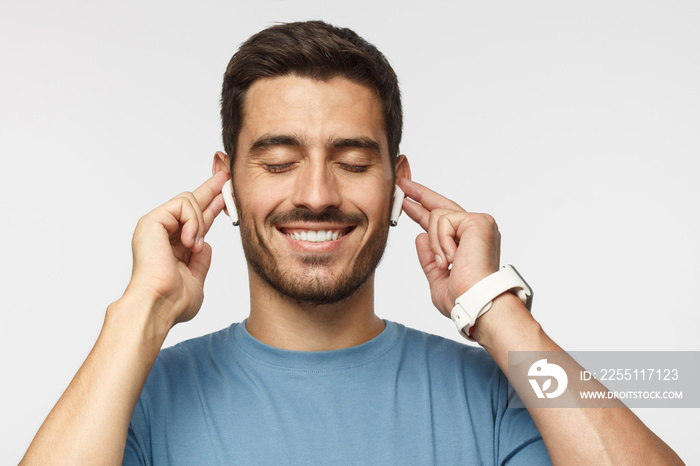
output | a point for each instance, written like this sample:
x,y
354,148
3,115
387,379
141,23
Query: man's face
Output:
x,y
313,183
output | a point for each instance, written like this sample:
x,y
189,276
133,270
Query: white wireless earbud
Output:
x,y
227,191
396,207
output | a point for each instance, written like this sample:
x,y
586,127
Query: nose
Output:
x,y
316,188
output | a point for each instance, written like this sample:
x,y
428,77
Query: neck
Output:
x,y
281,322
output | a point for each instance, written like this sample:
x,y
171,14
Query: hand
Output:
x,y
458,250
171,259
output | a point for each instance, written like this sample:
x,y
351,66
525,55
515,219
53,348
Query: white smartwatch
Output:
x,y
479,298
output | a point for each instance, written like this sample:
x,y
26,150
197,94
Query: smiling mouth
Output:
x,y
316,236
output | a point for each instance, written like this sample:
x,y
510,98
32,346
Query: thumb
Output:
x,y
200,262
427,260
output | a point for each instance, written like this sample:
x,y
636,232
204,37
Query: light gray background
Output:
x,y
574,123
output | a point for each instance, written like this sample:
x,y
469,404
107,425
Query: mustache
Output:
x,y
329,215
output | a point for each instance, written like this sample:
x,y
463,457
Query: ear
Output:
x,y
402,169
221,163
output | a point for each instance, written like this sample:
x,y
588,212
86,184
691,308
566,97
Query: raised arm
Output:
x,y
90,421
461,248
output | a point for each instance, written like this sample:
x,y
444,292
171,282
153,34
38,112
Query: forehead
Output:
x,y
318,110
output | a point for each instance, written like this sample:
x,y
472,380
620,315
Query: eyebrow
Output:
x,y
360,143
273,140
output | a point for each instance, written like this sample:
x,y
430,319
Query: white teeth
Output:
x,y
316,236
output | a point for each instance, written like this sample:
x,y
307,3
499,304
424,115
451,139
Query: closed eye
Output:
x,y
279,168
354,168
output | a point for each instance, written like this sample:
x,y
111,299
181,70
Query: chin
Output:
x,y
313,279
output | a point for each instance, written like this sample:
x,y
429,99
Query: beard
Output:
x,y
317,283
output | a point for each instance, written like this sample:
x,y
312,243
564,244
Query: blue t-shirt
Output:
x,y
404,397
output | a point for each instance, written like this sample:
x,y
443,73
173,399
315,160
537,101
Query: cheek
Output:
x,y
372,200
258,193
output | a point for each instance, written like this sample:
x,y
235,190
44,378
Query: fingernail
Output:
x,y
447,256
200,242
438,259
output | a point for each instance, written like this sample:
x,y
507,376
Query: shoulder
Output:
x,y
198,346
194,357
460,378
449,355
435,344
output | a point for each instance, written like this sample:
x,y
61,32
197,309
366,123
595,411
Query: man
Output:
x,y
311,125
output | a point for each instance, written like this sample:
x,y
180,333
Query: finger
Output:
x,y
210,189
417,213
212,211
199,263
426,197
173,216
197,229
425,255
434,238
190,219
432,272
447,227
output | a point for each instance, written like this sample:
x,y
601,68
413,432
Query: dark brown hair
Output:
x,y
311,49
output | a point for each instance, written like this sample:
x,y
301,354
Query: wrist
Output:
x,y
508,325
138,314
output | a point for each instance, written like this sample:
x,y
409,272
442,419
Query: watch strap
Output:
x,y
479,298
